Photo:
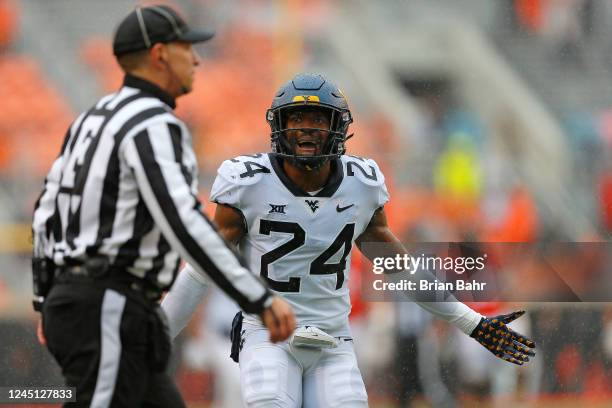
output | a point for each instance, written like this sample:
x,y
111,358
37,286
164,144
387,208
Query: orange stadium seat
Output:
x,y
97,53
520,221
530,13
9,16
605,200
33,118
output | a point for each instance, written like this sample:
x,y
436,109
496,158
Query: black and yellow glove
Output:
x,y
494,334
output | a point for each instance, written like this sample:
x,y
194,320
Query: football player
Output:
x,y
295,214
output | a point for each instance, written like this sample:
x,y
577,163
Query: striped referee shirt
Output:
x,y
124,187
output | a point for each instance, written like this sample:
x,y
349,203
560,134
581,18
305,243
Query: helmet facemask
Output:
x,y
286,148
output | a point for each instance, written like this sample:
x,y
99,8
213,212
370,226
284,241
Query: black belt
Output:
x,y
93,273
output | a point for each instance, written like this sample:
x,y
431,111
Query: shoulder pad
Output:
x,y
245,170
364,169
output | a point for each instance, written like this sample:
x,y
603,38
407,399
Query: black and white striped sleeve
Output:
x,y
155,156
44,209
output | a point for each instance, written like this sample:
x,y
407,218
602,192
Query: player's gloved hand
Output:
x,y
494,334
278,319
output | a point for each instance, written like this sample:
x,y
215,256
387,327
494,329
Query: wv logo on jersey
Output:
x,y
279,209
313,204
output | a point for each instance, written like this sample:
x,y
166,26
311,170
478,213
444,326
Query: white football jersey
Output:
x,y
299,243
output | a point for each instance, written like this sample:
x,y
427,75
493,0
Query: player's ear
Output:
x,y
158,55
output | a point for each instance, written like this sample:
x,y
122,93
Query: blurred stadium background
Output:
x,y
492,120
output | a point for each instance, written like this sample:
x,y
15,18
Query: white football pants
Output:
x,y
278,375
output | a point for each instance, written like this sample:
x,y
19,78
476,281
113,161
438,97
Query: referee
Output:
x,y
118,211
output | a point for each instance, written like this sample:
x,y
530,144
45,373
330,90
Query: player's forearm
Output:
x,y
183,299
445,306
455,312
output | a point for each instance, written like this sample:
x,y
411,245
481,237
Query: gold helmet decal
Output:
x,y
306,98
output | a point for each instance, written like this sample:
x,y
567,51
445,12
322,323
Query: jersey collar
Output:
x,y
150,88
335,179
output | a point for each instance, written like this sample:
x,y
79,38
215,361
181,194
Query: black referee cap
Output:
x,y
146,26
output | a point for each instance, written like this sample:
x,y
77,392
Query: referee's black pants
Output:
x,y
111,344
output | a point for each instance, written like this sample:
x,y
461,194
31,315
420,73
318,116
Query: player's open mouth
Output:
x,y
306,148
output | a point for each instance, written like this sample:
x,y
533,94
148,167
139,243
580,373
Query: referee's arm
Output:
x,y
44,223
42,228
155,157
44,209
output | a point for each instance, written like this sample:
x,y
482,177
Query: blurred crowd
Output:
x,y
462,193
